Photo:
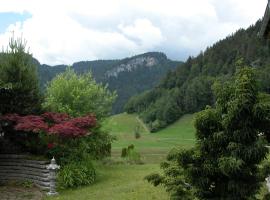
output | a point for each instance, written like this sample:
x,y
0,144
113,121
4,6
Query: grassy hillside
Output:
x,y
188,89
152,146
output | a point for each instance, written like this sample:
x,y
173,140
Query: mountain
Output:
x,y
129,76
188,89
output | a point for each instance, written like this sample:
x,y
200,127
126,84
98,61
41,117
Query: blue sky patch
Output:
x,y
8,18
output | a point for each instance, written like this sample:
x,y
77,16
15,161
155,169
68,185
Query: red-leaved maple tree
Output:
x,y
52,124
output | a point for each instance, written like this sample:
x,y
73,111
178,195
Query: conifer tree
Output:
x,y
19,73
224,165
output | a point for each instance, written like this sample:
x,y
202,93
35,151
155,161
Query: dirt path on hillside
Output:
x,y
142,124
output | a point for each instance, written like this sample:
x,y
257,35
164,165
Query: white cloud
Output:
x,y
143,33
69,31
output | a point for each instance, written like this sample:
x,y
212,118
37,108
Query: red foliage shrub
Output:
x,y
67,129
84,122
31,123
55,117
53,123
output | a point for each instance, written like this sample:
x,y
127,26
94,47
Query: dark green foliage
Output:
x,y
124,152
97,146
18,71
188,88
76,174
126,83
130,147
75,158
172,178
225,162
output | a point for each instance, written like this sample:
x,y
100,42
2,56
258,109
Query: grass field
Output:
x,y
118,182
152,146
125,181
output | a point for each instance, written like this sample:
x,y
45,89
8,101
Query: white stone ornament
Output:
x,y
53,167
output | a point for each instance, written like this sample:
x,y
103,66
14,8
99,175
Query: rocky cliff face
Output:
x,y
132,65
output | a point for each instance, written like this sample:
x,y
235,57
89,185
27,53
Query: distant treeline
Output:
x,y
188,88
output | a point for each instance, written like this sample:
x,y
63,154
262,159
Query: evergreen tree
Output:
x,y
224,165
18,72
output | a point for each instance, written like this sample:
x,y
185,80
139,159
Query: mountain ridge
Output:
x,y
128,76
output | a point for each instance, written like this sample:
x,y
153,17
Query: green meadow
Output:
x,y
152,146
124,181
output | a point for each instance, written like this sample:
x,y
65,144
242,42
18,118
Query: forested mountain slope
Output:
x,y
188,88
129,76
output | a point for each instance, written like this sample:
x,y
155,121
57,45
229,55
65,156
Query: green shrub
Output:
x,y
134,157
76,174
97,146
131,155
78,95
124,152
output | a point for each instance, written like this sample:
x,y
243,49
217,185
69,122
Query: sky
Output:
x,y
67,31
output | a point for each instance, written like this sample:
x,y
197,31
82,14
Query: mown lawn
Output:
x,y
117,182
152,146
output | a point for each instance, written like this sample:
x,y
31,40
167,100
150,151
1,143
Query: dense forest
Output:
x,y
128,77
188,89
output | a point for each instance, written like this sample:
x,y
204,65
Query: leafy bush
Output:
x,y
76,174
78,95
131,155
134,157
52,124
56,134
124,152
